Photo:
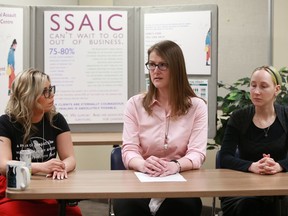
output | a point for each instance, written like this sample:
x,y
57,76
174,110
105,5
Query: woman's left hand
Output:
x,y
58,175
171,169
271,167
154,166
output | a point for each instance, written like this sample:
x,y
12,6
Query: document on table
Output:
x,y
171,178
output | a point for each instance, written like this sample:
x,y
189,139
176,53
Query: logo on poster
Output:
x,y
98,22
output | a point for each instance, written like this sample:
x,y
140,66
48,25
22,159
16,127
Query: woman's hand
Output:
x,y
155,166
271,167
55,169
171,169
266,166
51,167
58,175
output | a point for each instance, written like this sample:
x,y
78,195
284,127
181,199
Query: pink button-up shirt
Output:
x,y
144,135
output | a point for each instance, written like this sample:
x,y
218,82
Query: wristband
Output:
x,y
178,164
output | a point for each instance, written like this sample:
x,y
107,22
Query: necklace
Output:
x,y
166,133
266,130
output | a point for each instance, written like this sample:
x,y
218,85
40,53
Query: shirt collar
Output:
x,y
154,101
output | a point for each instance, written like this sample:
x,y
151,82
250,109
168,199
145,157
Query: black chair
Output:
x,y
116,163
217,166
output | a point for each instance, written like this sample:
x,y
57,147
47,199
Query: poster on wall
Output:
x,y
86,58
11,47
190,30
200,87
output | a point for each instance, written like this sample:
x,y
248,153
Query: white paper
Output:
x,y
171,178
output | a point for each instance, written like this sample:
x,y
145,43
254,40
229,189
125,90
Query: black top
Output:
x,y
43,142
251,141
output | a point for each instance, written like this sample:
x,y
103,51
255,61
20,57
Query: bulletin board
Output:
x,y
136,78
189,26
87,26
13,21
244,33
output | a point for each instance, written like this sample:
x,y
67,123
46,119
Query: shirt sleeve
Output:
x,y
7,129
230,143
131,142
197,145
60,122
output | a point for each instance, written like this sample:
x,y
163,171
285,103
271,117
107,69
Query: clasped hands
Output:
x,y
265,166
154,166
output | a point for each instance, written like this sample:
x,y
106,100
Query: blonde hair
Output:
x,y
26,89
275,75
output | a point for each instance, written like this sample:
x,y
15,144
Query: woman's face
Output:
x,y
262,88
159,78
47,103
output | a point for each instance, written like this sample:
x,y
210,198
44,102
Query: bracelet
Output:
x,y
178,164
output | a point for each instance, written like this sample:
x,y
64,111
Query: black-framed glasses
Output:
x,y
152,66
47,91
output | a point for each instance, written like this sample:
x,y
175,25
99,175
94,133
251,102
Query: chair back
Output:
x,y
116,159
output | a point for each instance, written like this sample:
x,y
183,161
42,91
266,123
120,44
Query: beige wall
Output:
x,y
39,2
96,2
280,40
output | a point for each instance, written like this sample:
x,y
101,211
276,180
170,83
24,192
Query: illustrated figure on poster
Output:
x,y
11,64
208,47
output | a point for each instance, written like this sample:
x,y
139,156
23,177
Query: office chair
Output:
x,y
217,166
116,163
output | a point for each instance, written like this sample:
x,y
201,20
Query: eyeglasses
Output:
x,y
152,66
47,91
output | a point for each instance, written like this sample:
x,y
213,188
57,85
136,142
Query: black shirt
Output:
x,y
242,134
43,142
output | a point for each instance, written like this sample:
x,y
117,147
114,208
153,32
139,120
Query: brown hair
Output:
x,y
179,89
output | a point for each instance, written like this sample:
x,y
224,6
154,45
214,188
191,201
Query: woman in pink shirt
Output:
x,y
165,132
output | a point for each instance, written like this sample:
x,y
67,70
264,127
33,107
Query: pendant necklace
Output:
x,y
266,130
166,133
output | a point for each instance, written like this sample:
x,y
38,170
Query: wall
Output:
x,y
96,2
39,2
280,40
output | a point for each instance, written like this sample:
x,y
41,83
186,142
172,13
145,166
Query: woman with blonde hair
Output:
x,y
31,122
259,132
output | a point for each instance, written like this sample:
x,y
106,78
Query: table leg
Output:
x,y
62,207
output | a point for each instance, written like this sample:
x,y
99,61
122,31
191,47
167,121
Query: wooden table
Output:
x,y
92,184
97,138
